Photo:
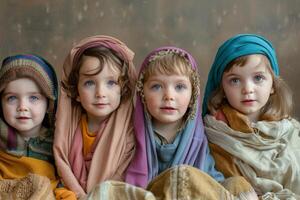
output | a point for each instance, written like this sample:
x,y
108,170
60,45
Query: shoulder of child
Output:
x,y
295,122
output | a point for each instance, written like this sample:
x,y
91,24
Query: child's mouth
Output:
x,y
168,109
23,118
248,101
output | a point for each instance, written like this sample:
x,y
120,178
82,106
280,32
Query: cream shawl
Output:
x,y
115,148
272,163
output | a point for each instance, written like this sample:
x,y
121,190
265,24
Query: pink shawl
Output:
x,y
114,149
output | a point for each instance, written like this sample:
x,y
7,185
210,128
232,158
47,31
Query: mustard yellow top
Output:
x,y
87,137
12,167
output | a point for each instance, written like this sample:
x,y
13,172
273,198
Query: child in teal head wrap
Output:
x,y
237,46
247,109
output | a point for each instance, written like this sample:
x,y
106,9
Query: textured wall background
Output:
x,y
50,28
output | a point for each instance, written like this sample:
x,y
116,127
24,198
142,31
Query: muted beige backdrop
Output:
x,y
50,28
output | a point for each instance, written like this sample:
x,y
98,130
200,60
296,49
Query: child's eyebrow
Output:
x,y
112,77
7,93
231,74
154,78
16,93
182,79
259,72
39,93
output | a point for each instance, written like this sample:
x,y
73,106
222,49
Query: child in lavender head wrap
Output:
x,y
168,122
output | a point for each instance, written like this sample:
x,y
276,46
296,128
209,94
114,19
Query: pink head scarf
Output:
x,y
111,154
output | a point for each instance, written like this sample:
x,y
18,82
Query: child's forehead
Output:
x,y
252,65
166,73
167,68
22,85
249,60
168,78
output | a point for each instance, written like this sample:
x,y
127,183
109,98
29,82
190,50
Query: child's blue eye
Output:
x,y
155,87
112,82
33,98
258,78
89,83
234,81
11,98
180,87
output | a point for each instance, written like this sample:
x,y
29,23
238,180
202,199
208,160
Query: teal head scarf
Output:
x,y
237,46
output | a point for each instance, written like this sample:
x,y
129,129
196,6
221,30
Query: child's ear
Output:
x,y
272,90
78,99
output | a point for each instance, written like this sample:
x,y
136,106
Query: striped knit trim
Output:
x,y
21,63
43,63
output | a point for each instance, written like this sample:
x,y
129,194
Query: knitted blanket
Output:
x,y
31,187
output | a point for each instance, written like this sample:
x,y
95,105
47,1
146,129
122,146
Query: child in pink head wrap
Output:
x,y
94,138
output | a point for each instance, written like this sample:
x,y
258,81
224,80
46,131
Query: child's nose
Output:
x,y
248,88
168,95
22,106
100,91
